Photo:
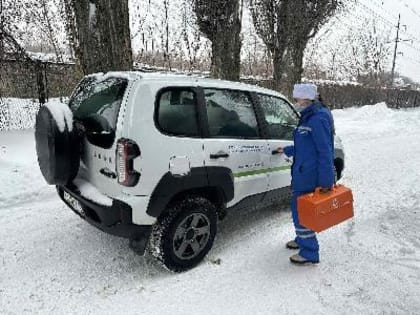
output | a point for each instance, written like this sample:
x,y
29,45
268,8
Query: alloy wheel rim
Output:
x,y
191,236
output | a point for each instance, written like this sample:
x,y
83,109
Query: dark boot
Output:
x,y
299,260
292,245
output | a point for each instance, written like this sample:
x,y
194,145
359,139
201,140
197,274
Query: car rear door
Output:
x,y
233,141
96,105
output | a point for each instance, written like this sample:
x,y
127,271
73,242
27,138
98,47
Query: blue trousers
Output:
x,y
305,238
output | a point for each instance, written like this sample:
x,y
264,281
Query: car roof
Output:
x,y
193,80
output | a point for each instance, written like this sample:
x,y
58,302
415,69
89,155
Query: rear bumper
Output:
x,y
115,220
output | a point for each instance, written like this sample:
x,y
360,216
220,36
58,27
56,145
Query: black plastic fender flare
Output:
x,y
199,178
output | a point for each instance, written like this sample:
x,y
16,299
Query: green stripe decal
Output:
x,y
262,171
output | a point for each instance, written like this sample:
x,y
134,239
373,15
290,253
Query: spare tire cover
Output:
x,y
58,152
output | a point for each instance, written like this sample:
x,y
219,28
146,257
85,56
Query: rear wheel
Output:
x,y
184,235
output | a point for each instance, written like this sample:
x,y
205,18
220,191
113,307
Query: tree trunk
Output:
x,y
220,21
226,50
294,67
102,35
297,70
278,67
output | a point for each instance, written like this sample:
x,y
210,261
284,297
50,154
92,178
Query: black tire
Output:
x,y
184,235
58,152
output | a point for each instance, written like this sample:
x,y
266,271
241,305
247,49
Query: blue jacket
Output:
x,y
313,150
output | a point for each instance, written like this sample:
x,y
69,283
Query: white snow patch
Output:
x,y
51,57
21,180
96,75
92,14
322,82
100,76
61,114
90,192
117,74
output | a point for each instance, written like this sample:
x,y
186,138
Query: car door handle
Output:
x,y
274,152
219,155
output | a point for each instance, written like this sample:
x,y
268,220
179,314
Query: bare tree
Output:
x,y
308,16
286,27
11,15
271,23
100,33
374,54
35,24
190,34
220,21
50,29
363,54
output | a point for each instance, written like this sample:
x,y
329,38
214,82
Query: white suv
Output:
x,y
158,158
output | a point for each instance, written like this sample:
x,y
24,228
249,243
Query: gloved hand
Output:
x,y
279,150
324,190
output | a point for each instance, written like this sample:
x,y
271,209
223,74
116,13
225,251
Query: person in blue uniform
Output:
x,y
313,155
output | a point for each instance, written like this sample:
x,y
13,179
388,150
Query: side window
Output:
x,y
230,114
280,118
177,112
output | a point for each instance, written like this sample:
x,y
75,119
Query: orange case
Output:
x,y
320,211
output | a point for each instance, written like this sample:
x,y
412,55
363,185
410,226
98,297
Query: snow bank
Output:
x,y
380,110
21,181
61,114
90,192
378,120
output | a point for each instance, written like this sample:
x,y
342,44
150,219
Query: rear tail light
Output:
x,y
127,151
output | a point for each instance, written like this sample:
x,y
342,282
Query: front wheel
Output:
x,y
184,234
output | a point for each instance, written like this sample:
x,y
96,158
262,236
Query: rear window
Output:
x,y
96,105
101,98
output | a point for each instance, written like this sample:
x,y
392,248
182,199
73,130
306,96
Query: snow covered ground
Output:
x,y
52,262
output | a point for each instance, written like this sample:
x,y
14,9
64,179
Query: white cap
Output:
x,y
306,91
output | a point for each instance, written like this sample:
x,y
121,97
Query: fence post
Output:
x,y
40,80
